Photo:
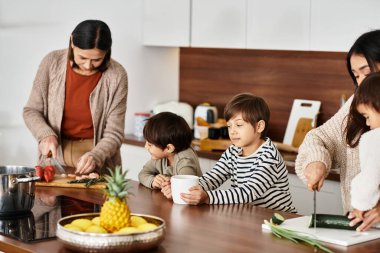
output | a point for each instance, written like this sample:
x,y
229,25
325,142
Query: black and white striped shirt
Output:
x,y
260,179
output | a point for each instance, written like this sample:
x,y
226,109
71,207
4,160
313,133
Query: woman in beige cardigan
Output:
x,y
76,109
326,147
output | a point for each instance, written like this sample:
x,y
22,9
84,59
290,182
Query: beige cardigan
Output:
x,y
44,109
327,144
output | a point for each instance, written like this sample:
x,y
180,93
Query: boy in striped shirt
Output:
x,y
257,171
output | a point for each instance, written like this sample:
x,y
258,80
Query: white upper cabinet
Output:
x,y
166,23
335,25
278,24
218,23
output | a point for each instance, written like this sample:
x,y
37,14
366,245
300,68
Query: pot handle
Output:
x,y
25,180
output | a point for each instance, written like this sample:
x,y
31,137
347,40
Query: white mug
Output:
x,y
181,184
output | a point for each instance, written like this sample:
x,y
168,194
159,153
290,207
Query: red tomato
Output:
x,y
49,172
39,172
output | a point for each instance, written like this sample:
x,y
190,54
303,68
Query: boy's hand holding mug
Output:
x,y
196,196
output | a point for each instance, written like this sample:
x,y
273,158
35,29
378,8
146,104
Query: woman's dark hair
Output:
x,y
168,128
368,93
91,34
367,45
252,108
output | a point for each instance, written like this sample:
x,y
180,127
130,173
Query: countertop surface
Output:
x,y
204,228
215,155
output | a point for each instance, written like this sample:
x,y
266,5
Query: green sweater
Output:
x,y
185,163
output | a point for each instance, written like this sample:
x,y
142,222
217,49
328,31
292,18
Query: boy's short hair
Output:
x,y
252,108
168,128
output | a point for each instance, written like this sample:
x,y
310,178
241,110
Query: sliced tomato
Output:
x,y
49,172
39,172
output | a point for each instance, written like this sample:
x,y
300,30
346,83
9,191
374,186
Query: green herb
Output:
x,y
87,181
296,237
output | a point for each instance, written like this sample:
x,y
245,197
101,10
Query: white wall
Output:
x,y
30,29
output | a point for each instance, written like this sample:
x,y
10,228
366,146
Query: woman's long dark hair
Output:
x,y
368,46
368,93
90,34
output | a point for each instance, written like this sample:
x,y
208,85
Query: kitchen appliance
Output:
x,y
206,113
17,185
140,120
180,108
41,222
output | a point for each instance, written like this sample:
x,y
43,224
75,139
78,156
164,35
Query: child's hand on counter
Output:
x,y
158,180
166,189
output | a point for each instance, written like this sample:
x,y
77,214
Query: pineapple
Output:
x,y
115,213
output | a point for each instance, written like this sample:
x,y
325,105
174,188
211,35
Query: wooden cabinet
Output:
x,y
335,25
277,24
218,23
166,23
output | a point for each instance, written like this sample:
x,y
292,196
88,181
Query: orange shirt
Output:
x,y
77,119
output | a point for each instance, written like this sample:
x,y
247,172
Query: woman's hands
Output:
x,y
315,174
47,144
196,196
369,218
86,164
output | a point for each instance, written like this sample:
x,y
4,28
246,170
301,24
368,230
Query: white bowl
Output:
x,y
93,242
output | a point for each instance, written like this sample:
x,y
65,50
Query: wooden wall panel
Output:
x,y
215,75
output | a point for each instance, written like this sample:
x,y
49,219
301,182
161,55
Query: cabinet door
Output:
x,y
218,23
335,25
133,159
278,24
166,23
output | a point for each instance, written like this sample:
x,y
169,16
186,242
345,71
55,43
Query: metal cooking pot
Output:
x,y
17,185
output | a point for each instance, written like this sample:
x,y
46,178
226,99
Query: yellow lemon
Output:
x,y
146,226
137,220
82,223
73,227
96,220
127,230
96,229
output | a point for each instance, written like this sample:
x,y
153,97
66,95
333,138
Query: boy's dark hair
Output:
x,y
367,45
168,128
252,108
91,34
368,93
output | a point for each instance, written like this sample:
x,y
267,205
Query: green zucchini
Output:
x,y
331,221
277,219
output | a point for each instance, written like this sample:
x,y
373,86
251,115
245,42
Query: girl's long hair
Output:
x,y
368,93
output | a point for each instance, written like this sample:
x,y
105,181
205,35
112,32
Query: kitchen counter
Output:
x,y
204,228
213,155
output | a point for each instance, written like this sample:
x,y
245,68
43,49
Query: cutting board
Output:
x,y
335,236
62,182
303,112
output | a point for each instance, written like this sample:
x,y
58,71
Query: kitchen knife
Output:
x,y
58,166
315,209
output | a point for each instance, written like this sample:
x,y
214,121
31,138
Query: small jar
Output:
x,y
140,119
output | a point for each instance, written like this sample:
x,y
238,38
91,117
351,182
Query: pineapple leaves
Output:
x,y
117,183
